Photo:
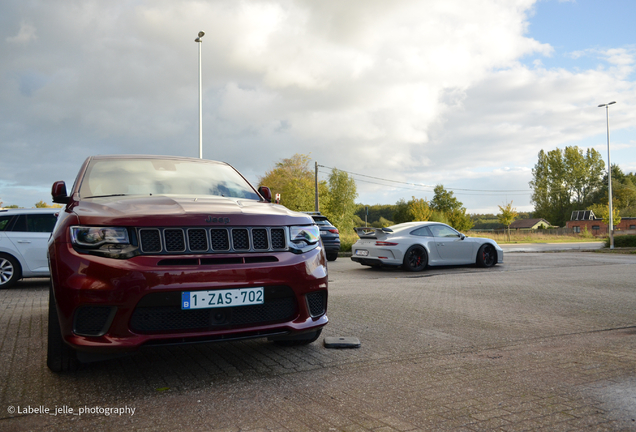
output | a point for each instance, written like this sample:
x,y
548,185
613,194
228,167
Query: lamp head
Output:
x,y
201,34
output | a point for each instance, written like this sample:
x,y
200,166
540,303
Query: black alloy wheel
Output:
x,y
487,256
415,259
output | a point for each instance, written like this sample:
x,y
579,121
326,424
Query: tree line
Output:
x,y
443,207
293,179
570,179
39,204
295,182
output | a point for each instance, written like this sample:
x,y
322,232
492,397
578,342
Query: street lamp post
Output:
x,y
200,41
609,176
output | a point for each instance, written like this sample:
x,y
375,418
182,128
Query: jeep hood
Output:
x,y
166,210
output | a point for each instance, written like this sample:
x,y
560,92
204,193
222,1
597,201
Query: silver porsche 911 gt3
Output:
x,y
416,245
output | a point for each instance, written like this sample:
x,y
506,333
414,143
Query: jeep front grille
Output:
x,y
157,241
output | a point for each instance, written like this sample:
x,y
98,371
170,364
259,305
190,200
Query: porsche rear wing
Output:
x,y
372,233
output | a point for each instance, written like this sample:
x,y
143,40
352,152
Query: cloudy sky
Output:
x,y
463,93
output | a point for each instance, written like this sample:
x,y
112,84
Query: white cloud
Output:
x,y
426,92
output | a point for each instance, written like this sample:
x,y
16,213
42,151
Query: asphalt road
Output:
x,y
546,341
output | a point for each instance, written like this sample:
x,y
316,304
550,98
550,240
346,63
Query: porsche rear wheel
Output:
x,y
415,259
487,256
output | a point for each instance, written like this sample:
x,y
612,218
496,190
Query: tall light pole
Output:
x,y
200,41
609,176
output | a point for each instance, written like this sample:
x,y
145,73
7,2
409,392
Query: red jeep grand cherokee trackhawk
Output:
x,y
161,250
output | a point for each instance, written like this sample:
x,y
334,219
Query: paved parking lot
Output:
x,y
546,341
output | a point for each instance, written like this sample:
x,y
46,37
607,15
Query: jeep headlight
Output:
x,y
304,238
110,242
98,236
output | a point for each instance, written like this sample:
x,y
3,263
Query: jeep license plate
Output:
x,y
222,298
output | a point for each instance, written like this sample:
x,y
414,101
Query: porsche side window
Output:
x,y
422,232
443,231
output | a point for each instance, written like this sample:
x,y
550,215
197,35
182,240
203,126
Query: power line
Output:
x,y
492,191
431,190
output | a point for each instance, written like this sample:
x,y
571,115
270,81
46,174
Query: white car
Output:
x,y
24,234
416,245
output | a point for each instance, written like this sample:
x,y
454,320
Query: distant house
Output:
x,y
530,224
585,219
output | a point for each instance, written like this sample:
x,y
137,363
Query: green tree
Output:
x,y
438,216
459,220
445,202
295,182
602,211
419,209
583,172
340,207
402,213
375,212
623,192
564,180
384,222
357,222
507,216
42,204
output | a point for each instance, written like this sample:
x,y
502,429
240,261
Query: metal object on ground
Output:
x,y
342,342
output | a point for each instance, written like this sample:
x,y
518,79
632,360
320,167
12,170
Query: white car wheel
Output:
x,y
9,271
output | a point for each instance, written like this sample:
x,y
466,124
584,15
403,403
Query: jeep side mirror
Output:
x,y
58,192
265,193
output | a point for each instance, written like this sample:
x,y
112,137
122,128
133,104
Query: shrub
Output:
x,y
347,239
622,241
586,233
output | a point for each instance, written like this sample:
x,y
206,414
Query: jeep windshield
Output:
x,y
122,177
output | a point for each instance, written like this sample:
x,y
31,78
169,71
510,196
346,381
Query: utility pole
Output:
x,y
609,175
200,41
316,185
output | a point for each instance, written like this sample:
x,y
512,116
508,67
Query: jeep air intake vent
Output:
x,y
317,303
93,320
157,241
